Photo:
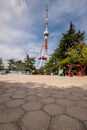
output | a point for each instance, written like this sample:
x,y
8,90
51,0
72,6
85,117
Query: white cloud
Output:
x,y
10,9
8,34
10,51
32,48
60,9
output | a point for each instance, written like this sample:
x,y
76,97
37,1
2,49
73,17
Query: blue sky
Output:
x,y
22,23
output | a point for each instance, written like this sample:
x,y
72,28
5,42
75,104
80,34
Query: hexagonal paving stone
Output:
x,y
31,98
57,95
20,92
11,90
54,109
1,92
36,120
21,95
79,94
43,95
6,94
85,124
77,112
9,127
2,108
81,103
84,98
73,98
64,122
5,99
64,102
31,106
10,115
48,100
15,103
31,93
40,90
64,93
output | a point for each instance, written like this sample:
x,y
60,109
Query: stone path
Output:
x,y
34,106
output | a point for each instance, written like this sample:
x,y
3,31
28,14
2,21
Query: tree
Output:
x,y
1,64
78,55
70,39
11,64
70,50
19,65
29,63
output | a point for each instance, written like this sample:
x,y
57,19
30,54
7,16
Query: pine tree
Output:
x,y
29,63
70,50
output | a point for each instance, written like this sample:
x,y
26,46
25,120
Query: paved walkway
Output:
x,y
37,106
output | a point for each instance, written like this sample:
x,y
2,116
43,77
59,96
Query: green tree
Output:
x,y
78,55
69,39
19,65
29,63
1,64
70,50
11,64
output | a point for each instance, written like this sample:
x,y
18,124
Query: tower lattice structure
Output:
x,y
44,49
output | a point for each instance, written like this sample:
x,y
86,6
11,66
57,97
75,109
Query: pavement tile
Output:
x,y
48,100
32,106
15,103
31,98
9,127
20,92
77,112
81,104
31,93
36,120
85,124
21,95
65,93
2,108
40,90
54,109
65,102
1,92
49,91
57,95
64,122
10,115
84,98
11,90
78,94
6,94
4,99
73,98
43,95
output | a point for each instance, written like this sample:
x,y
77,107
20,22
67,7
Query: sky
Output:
x,y
22,24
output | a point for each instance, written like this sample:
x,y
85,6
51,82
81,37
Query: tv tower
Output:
x,y
44,49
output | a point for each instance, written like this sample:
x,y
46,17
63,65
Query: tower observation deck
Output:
x,y
43,57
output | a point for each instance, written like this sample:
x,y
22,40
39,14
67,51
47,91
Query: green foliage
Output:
x,y
11,64
19,65
70,51
29,63
1,64
78,53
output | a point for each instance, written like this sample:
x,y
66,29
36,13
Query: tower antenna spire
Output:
x,y
47,17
